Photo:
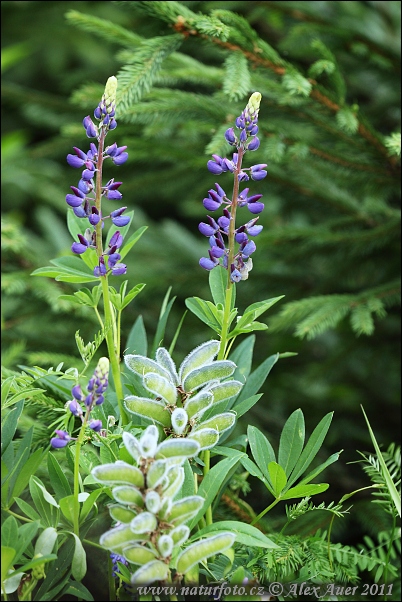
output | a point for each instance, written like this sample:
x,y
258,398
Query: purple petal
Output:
x,y
120,159
205,229
254,230
116,240
217,252
119,269
211,205
75,161
258,175
58,443
241,237
249,248
255,207
214,168
207,264
253,144
78,248
79,211
95,425
73,200
114,195
235,276
75,408
121,220
77,393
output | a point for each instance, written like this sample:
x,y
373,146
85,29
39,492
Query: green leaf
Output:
x,y
203,310
396,498
26,535
130,242
68,508
257,378
245,405
79,563
314,473
304,491
245,534
163,317
310,451
137,338
261,449
34,562
45,504
9,532
123,230
242,356
79,591
253,469
7,557
9,425
27,509
278,478
28,469
218,281
212,482
291,441
132,294
60,485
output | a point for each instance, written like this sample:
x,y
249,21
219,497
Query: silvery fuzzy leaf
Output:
x,y
182,448
122,514
180,534
203,549
139,554
166,507
125,494
153,501
195,406
164,359
148,408
119,537
173,481
179,420
226,390
220,423
205,437
118,473
161,387
185,509
142,365
149,441
165,545
199,377
132,445
156,472
144,523
150,572
200,356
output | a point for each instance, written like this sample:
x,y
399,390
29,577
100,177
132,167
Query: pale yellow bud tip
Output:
x,y
103,365
253,104
110,91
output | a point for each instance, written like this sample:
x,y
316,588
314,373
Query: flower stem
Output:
x,y
114,351
76,478
231,254
257,518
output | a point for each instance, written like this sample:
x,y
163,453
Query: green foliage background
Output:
x,y
331,223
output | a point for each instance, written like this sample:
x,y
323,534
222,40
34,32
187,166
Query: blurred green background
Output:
x,y
321,174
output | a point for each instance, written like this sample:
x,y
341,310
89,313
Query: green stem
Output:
x,y
257,518
27,520
113,357
92,543
77,477
329,540
231,243
113,350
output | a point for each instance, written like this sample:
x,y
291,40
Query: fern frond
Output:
x,y
105,29
237,80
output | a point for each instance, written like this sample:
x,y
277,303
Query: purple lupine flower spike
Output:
x,y
245,140
83,200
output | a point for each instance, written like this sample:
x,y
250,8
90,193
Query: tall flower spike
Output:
x,y
85,200
238,262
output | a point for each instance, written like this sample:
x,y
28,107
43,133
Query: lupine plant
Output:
x,y
152,441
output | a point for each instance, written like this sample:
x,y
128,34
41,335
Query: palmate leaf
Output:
x,y
67,269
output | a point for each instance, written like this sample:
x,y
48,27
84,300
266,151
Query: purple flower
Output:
x,y
253,144
258,172
61,440
80,247
118,219
90,128
95,425
75,408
